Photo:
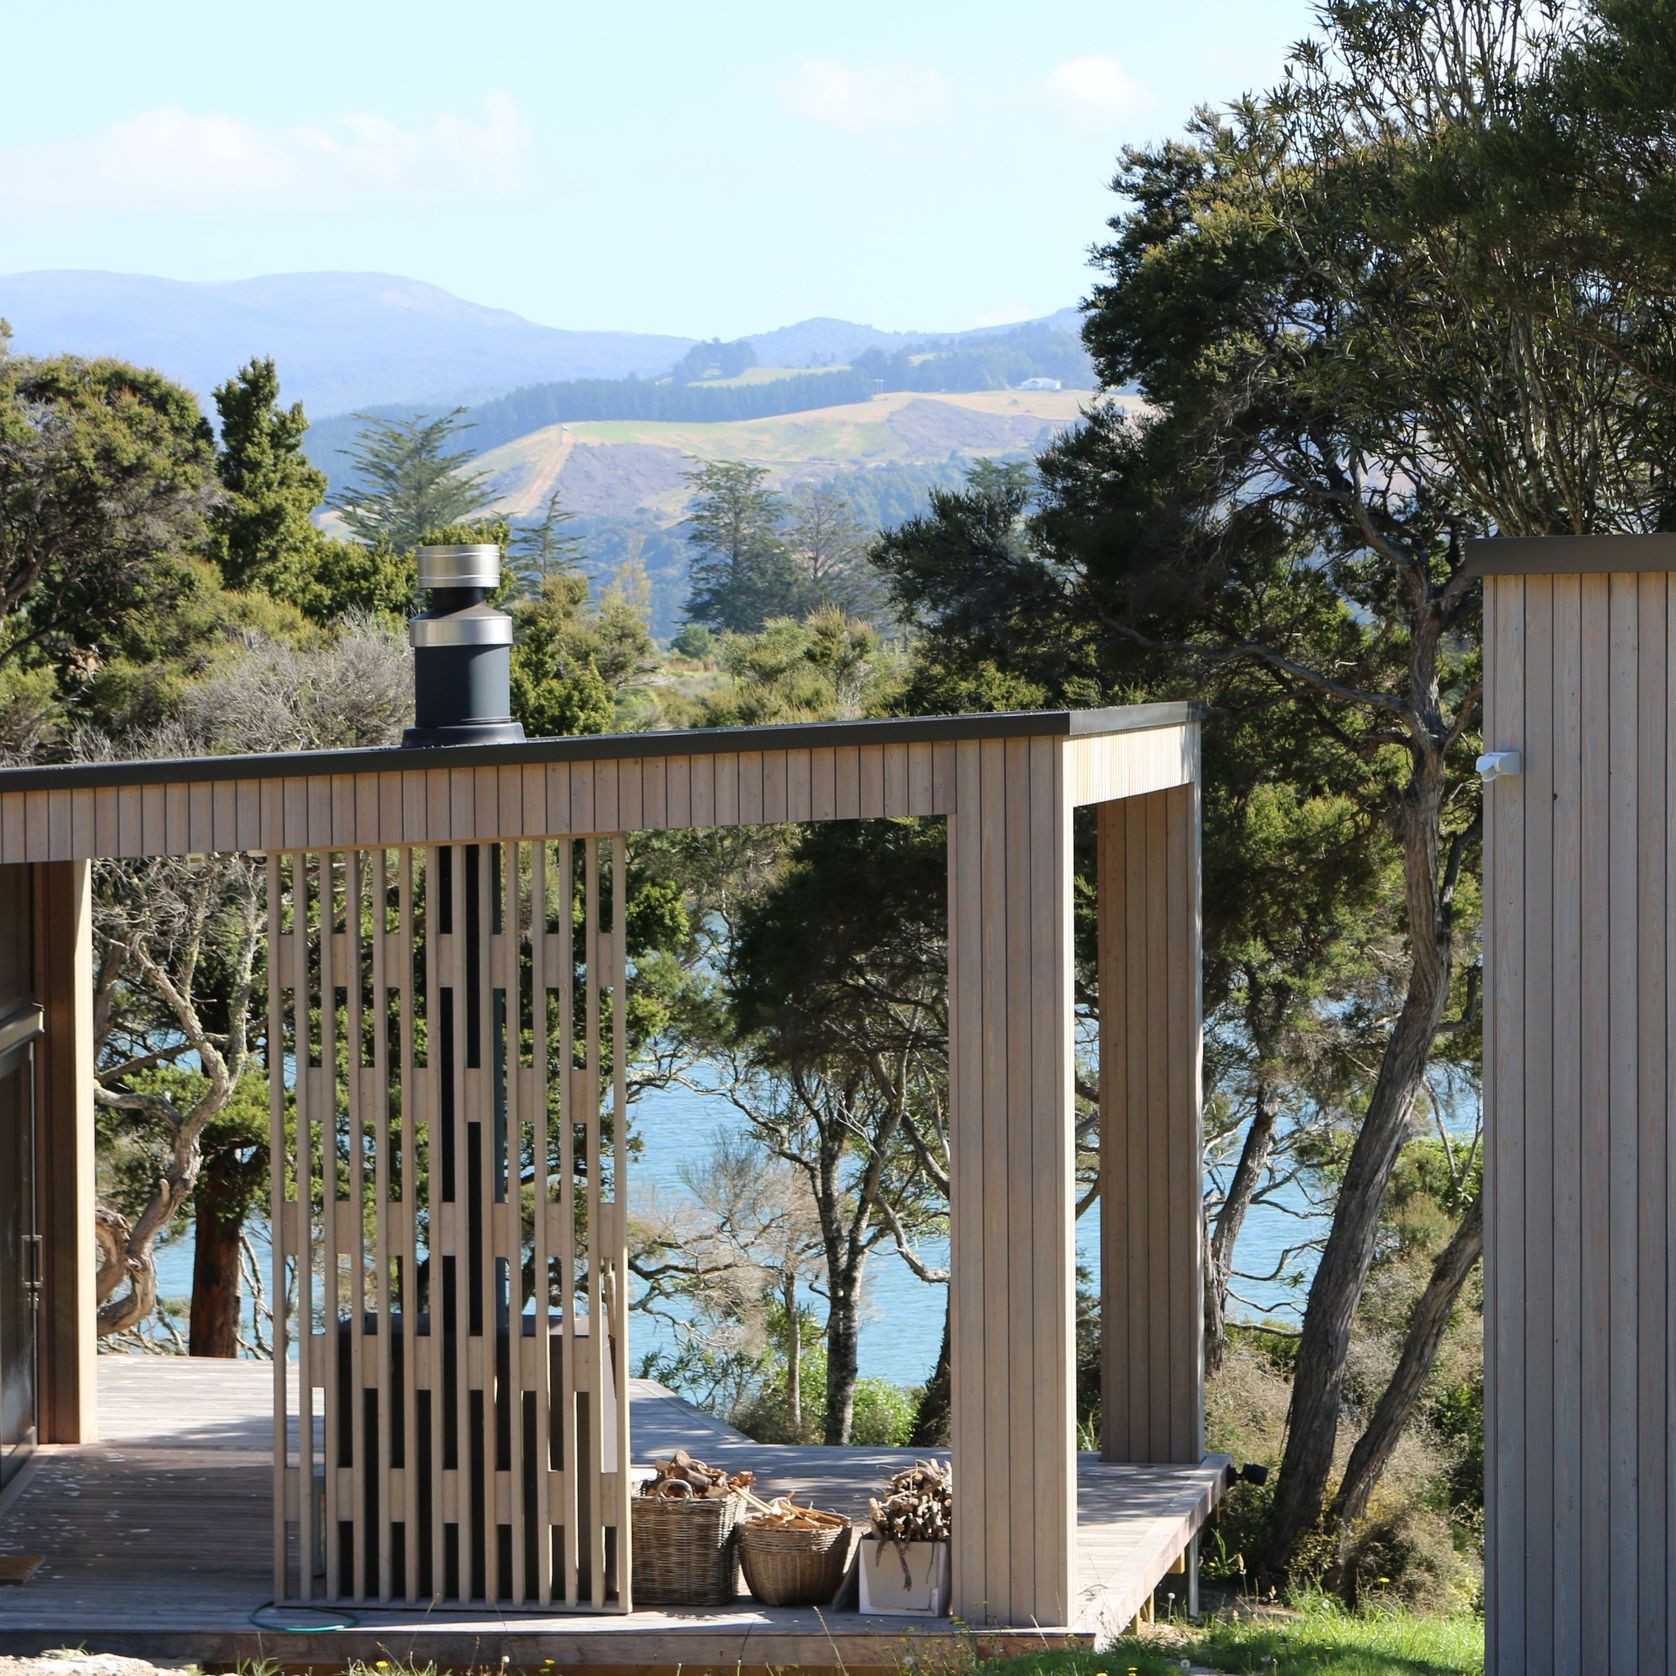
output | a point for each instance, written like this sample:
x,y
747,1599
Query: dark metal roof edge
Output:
x,y
1132,718
596,747
1570,555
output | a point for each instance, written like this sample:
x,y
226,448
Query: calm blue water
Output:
x,y
903,1320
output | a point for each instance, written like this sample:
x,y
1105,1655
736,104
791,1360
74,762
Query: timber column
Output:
x,y
63,982
1012,1274
1151,1211
1580,1196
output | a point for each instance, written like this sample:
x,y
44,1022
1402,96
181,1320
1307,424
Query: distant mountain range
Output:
x,y
341,340
344,341
824,341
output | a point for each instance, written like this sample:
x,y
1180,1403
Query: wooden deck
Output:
x,y
156,1542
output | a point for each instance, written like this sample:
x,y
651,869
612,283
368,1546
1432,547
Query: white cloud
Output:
x,y
1097,94
169,158
860,97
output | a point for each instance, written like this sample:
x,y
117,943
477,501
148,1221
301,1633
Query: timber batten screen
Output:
x,y
447,1090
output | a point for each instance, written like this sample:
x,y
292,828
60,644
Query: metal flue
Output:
x,y
462,652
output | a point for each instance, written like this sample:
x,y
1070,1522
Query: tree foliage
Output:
x,y
409,481
761,557
1393,304
742,572
543,549
576,660
263,534
262,529
714,359
106,475
823,667
829,542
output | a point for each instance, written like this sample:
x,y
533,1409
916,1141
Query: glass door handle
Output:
x,y
37,1264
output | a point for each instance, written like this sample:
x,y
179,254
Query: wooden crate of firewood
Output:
x,y
905,1556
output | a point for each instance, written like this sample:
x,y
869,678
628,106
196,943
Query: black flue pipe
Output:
x,y
462,652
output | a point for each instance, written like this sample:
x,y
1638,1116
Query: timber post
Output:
x,y
1579,1172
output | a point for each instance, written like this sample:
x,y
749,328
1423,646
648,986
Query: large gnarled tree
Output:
x,y
1419,293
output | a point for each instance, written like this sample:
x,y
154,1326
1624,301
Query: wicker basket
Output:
x,y
793,1567
684,1551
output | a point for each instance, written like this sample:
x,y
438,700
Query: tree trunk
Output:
x,y
931,1423
794,1358
1318,1378
843,1344
217,1225
120,1263
1420,1343
1219,1268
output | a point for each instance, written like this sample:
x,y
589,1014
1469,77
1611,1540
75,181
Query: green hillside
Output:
x,y
624,479
619,467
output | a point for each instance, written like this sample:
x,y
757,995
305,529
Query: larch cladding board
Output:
x,y
1012,1296
413,802
449,1154
1151,1214
338,800
1580,1193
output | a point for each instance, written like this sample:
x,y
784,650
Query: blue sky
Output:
x,y
706,169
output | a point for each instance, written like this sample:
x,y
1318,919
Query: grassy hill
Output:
x,y
618,467
623,478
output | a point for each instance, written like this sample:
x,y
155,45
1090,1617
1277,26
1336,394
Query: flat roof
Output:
x,y
1570,555
596,747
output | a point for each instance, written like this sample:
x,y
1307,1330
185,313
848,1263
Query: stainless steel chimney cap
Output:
x,y
475,566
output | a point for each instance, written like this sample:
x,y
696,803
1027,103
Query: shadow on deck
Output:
x,y
157,1542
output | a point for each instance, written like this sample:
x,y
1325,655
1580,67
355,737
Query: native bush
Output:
x,y
884,1414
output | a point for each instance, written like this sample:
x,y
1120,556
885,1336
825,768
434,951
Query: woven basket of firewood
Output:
x,y
683,1524
793,1556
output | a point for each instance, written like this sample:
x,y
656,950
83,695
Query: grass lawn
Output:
x,y
1322,1640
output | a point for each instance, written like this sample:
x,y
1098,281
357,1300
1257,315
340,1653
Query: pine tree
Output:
x,y
408,481
830,541
263,533
542,550
745,573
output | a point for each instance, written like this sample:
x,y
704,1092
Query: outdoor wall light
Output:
x,y
1497,765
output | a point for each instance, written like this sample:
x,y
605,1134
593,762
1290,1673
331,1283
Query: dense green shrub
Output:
x,y
883,1417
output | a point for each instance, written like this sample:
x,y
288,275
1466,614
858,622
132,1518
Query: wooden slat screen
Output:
x,y
447,1085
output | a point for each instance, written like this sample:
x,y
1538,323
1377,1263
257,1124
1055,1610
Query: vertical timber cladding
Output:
x,y
1011,1189
1578,1170
1152,1215
449,1175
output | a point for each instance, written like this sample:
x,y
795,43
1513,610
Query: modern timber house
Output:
x,y
440,1462
1580,1169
